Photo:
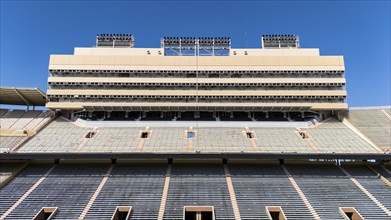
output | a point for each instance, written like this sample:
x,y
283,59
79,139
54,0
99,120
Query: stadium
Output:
x,y
193,130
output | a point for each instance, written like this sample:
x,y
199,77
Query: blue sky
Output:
x,y
359,30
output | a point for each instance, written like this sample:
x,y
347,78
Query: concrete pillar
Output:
x,y
161,114
214,114
267,114
179,115
108,114
302,115
249,114
231,115
126,114
284,113
144,115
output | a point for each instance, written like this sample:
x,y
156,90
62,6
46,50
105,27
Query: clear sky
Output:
x,y
358,30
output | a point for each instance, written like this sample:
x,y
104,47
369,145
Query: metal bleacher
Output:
x,y
257,186
280,140
59,136
221,140
198,185
137,185
25,119
10,118
166,140
374,124
113,140
371,183
334,136
327,188
68,187
11,192
9,142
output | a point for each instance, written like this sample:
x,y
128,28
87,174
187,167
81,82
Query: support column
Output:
x,y
231,114
249,115
284,113
302,115
108,114
144,115
126,114
179,115
267,114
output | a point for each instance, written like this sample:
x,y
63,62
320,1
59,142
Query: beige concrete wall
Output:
x,y
199,93
199,80
79,105
187,61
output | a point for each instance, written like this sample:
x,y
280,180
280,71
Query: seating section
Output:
x,y
382,171
7,169
7,142
280,140
198,185
334,136
221,140
3,112
136,185
11,192
258,186
63,136
327,188
23,120
41,120
10,118
59,136
374,125
373,184
113,140
166,140
68,187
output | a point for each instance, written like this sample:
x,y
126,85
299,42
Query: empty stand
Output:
x,y
68,187
198,185
8,142
334,136
374,185
25,119
374,125
59,136
137,185
113,140
3,112
327,188
166,140
280,140
258,186
221,140
11,192
10,118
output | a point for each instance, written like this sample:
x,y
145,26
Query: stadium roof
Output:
x,y
22,96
